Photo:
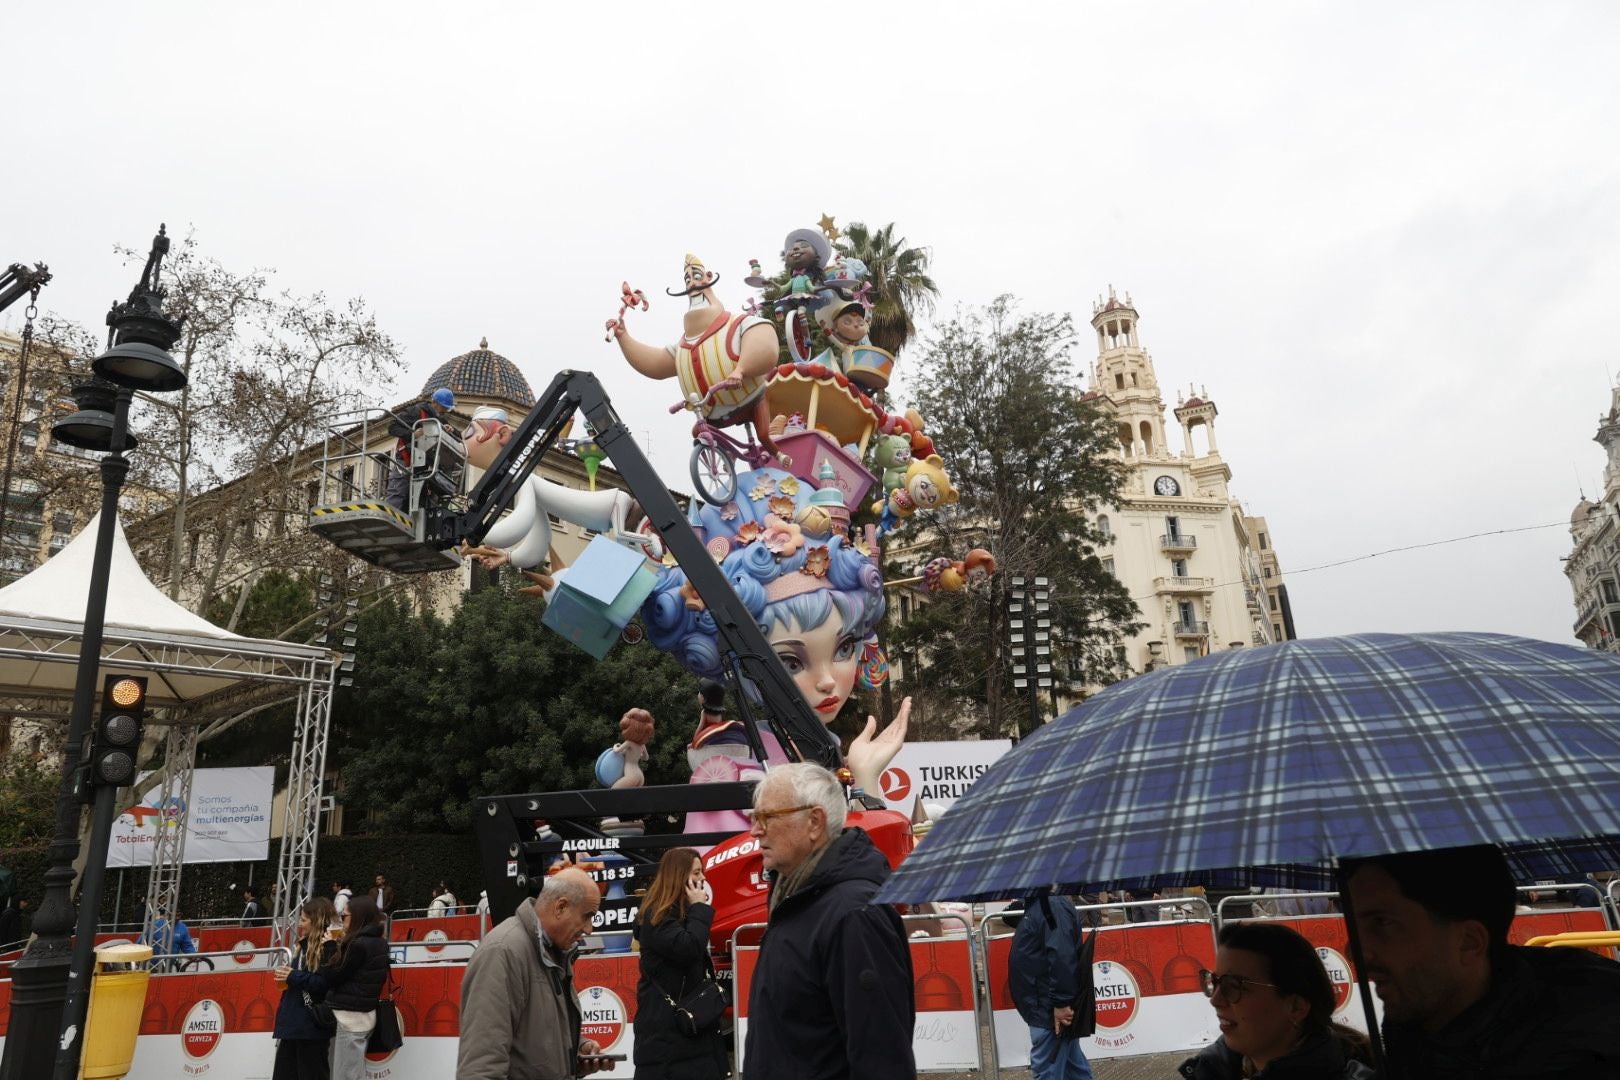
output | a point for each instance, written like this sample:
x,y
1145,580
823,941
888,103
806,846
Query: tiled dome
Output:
x,y
482,373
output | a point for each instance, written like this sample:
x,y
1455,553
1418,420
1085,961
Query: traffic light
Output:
x,y
117,734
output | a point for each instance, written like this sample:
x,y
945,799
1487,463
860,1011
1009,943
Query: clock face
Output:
x,y
1166,485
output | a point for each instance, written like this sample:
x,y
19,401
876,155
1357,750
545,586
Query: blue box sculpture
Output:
x,y
599,595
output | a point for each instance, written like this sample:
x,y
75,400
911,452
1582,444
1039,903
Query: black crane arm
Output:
x,y
747,655
18,280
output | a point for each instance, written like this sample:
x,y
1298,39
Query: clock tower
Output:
x,y
1200,568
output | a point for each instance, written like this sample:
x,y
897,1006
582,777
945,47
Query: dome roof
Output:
x,y
1582,508
481,373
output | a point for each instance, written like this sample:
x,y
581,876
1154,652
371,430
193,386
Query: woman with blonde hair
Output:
x,y
302,1045
673,929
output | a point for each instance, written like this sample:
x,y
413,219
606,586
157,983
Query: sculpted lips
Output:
x,y
828,704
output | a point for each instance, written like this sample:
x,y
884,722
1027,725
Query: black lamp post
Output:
x,y
51,982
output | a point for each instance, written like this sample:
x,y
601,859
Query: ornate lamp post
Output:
x,y
51,982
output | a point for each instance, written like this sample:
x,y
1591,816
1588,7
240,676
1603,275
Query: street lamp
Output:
x,y
47,1005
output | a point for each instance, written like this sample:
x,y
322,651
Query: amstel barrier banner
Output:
x,y
946,1037
1148,996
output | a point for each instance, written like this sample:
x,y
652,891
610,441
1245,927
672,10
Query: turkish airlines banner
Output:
x,y
228,819
937,772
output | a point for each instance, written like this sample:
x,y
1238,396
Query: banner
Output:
x,y
1149,1000
937,772
228,819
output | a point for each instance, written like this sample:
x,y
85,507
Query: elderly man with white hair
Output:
x,y
832,996
519,1015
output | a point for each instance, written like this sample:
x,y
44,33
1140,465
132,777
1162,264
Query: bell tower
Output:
x,y
1123,373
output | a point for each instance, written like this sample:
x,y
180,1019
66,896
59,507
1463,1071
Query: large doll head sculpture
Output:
x,y
817,596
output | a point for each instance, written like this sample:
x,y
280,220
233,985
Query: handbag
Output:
x,y
386,1035
699,1012
321,1013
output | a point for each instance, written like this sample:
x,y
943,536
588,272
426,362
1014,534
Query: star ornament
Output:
x,y
829,228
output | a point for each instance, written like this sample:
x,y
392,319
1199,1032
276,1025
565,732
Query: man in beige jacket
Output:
x,y
519,1015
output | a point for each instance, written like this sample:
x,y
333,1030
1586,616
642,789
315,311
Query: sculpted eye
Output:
x,y
791,662
846,649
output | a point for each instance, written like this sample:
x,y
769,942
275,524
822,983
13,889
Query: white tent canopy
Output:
x,y
198,671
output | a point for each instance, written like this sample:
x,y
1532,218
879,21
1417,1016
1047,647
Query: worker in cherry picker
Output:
x,y
432,407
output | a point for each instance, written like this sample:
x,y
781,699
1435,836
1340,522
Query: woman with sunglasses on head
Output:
x,y
673,930
1275,1006
354,982
302,1046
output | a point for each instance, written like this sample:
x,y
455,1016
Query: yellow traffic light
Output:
x,y
127,692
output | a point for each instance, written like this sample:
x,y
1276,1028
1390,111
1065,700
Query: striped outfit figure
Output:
x,y
712,357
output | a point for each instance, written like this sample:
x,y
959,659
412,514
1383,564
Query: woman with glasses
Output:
x,y
1275,1006
354,981
303,1048
673,930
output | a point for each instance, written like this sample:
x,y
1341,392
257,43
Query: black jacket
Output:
x,y
674,960
355,981
1321,1058
1043,969
10,924
832,995
1553,1014
292,1017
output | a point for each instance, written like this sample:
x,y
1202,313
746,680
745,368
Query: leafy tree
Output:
x,y
901,287
491,703
1032,461
27,802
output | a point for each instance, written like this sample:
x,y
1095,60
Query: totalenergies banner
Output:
x,y
937,772
227,820
1148,996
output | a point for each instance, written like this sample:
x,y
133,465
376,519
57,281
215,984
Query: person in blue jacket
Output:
x,y
1044,978
303,1047
180,944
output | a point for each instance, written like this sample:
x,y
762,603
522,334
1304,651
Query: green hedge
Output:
x,y
413,864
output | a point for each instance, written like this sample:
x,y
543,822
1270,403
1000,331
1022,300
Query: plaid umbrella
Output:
x,y
1260,766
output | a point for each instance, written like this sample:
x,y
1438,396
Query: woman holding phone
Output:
x,y
673,929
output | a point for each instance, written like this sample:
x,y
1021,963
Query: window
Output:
x,y
1119,382
1178,567
1133,379
1263,543
905,607
62,523
1190,653
1172,526
28,438
1108,566
1268,571
193,542
1273,601
1103,525
1185,611
1276,631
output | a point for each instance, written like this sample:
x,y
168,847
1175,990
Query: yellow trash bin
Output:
x,y
117,999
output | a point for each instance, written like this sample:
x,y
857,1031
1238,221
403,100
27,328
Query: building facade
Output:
x,y
1593,564
1203,571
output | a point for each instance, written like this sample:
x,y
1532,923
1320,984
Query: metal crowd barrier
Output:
x,y
984,937
202,963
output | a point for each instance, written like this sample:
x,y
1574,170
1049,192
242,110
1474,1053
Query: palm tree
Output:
x,y
901,287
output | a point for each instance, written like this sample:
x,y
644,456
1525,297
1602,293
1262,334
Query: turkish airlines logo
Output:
x,y
202,1029
896,784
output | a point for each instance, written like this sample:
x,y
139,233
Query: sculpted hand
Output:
x,y
872,751
488,557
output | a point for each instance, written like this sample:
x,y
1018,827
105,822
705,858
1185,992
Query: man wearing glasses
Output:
x,y
832,996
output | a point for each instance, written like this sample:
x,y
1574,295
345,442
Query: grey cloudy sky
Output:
x,y
1383,235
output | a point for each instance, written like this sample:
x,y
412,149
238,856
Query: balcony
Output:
x,y
1191,629
1184,584
1177,542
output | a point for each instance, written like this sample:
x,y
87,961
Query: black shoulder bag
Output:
x,y
699,1012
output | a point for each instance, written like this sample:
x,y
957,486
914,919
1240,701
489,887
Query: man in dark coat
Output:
x,y
432,407
832,996
252,910
1459,1001
1044,978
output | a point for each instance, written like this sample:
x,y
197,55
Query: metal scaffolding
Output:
x,y
301,820
174,822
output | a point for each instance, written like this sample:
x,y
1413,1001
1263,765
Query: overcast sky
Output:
x,y
1382,235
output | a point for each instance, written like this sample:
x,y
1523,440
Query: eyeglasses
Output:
x,y
1231,987
763,818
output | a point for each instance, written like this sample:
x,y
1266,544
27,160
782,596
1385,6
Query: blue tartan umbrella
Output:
x,y
1261,766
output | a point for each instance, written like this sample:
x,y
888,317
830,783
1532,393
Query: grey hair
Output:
x,y
572,885
813,785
